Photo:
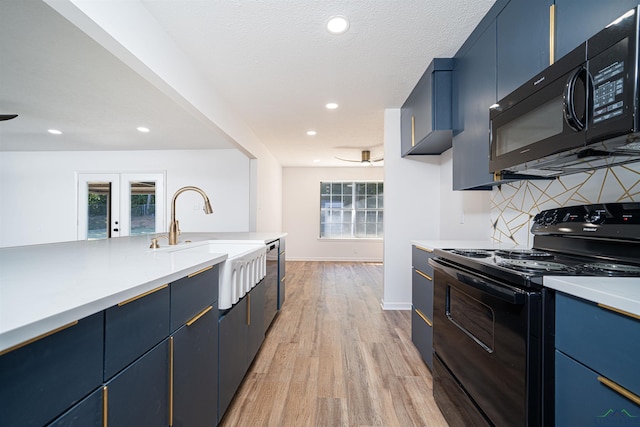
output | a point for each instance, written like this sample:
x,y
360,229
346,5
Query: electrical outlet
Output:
x,y
461,217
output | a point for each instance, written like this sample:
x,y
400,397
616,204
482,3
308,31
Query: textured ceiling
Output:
x,y
272,61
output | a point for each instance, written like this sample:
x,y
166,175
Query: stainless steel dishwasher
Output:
x,y
271,284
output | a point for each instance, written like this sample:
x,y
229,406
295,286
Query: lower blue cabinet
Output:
x,y
195,371
43,379
139,395
87,413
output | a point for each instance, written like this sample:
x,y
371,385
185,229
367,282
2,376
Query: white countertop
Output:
x,y
622,293
462,244
43,287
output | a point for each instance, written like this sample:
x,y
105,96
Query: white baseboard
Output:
x,y
334,259
395,305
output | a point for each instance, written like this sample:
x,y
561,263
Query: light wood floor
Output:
x,y
333,357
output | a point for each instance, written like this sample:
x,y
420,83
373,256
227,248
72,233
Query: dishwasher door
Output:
x,y
271,284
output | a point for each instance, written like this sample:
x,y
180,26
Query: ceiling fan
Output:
x,y
365,158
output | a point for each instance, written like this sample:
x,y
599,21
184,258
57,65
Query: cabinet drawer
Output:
x,y
603,340
41,380
581,399
87,413
422,337
133,327
139,395
281,246
191,294
422,293
420,259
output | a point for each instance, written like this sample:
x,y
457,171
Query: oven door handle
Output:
x,y
502,291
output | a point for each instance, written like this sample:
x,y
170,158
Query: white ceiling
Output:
x,y
272,61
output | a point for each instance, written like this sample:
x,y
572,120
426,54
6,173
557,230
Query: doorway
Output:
x,y
120,204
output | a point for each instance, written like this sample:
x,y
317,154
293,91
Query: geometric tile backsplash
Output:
x,y
514,205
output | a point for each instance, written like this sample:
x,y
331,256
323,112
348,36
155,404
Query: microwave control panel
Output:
x,y
608,74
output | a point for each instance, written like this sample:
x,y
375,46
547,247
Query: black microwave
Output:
x,y
579,114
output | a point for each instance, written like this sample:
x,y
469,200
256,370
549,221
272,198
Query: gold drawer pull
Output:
x,y
424,249
38,338
617,310
413,131
142,295
620,390
419,313
105,406
283,277
552,33
199,315
200,271
426,276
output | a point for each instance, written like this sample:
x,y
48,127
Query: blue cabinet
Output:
x,y
255,321
474,76
596,363
422,303
577,20
191,294
281,274
41,380
426,114
87,413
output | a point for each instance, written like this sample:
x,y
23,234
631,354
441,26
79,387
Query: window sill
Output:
x,y
351,239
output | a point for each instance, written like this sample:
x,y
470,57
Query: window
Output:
x,y
351,210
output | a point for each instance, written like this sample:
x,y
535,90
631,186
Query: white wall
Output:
x,y
301,215
38,190
412,197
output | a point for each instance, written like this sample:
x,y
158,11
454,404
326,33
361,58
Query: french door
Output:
x,y
120,204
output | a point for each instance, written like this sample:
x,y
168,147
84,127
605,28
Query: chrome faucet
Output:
x,y
174,228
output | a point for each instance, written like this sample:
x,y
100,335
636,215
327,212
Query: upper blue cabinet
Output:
x,y
426,114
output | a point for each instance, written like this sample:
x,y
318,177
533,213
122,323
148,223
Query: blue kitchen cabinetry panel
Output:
x,y
577,20
474,76
281,274
139,395
232,353
422,303
41,380
606,341
191,294
426,114
522,43
195,370
133,327
255,321
87,413
582,400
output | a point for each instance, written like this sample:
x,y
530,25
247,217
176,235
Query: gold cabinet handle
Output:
x,y
552,33
426,276
38,338
199,315
424,249
617,310
105,406
419,313
137,297
170,381
200,271
620,390
283,277
413,131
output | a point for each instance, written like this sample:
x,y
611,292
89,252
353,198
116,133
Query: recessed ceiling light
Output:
x,y
54,132
142,129
316,160
312,133
338,24
331,106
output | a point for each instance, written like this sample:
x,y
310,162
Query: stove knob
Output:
x,y
595,217
551,218
538,219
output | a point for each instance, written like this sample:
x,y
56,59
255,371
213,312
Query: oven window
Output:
x,y
473,317
537,125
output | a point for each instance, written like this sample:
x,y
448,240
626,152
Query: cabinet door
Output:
x,y
577,20
232,352
281,276
195,371
475,92
255,321
139,395
407,131
87,413
522,43
41,380
191,294
133,327
422,336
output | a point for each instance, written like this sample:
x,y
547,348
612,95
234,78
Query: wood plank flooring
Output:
x,y
333,357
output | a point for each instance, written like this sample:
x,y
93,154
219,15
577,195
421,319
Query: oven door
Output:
x,y
487,337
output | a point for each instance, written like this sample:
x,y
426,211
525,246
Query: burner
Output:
x,y
523,254
612,269
530,266
472,253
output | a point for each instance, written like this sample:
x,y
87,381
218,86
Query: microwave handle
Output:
x,y
577,81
